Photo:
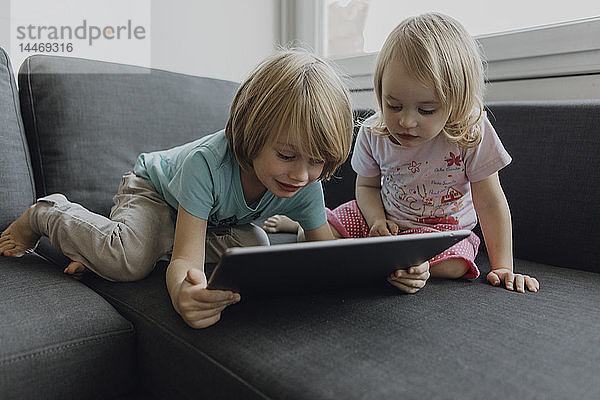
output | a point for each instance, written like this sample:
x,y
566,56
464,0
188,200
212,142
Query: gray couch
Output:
x,y
61,338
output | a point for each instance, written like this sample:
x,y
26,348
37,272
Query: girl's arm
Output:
x,y
185,278
368,198
495,220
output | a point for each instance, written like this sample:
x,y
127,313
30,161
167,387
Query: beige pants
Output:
x,y
138,233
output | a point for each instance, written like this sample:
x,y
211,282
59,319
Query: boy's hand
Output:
x,y
198,306
384,227
510,280
412,279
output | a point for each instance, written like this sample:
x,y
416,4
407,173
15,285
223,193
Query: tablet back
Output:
x,y
297,268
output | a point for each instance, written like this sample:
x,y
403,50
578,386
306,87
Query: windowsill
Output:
x,y
541,54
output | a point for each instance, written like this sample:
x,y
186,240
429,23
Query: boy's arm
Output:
x,y
368,198
185,278
321,233
495,220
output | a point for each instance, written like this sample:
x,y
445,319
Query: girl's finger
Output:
x,y
532,284
493,278
509,280
520,283
403,287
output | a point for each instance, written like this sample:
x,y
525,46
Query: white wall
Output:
x,y
222,39
216,38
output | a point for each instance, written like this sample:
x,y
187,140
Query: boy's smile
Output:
x,y
281,169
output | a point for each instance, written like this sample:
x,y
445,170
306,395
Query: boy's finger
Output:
x,y
203,322
213,296
196,277
204,306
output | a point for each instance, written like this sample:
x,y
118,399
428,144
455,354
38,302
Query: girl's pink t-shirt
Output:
x,y
428,184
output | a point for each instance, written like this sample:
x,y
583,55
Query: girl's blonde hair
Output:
x,y
298,95
439,53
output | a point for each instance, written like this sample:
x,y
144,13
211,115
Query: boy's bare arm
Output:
x,y
186,281
321,233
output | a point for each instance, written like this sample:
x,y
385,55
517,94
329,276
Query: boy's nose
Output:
x,y
299,172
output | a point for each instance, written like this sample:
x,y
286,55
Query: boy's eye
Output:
x,y
314,161
426,112
285,156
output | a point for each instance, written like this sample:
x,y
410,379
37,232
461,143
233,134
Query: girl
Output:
x,y
290,124
429,160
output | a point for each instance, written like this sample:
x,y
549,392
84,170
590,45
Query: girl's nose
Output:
x,y
407,120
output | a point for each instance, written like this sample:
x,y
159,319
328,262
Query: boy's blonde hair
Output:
x,y
292,93
439,53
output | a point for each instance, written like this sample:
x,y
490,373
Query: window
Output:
x,y
526,43
355,27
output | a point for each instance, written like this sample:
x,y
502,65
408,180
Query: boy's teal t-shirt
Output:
x,y
203,177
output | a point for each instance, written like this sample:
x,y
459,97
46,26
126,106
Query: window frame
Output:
x,y
558,50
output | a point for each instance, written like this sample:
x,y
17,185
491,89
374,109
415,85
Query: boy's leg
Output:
x,y
123,247
220,239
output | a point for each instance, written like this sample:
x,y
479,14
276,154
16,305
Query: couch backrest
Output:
x,y
553,183
16,179
340,188
87,121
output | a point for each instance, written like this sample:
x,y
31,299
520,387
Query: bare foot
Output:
x,y
19,239
75,267
280,223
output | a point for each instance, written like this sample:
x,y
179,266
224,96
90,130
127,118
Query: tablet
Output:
x,y
308,267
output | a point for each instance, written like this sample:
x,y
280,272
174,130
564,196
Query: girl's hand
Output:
x,y
412,279
384,227
198,306
510,280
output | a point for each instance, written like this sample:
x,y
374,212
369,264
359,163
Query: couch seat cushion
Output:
x,y
453,339
59,339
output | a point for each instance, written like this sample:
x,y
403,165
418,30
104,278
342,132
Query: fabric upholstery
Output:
x,y
457,339
16,179
340,188
64,341
87,121
553,183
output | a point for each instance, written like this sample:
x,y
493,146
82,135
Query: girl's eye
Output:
x,y
394,108
314,161
284,156
426,112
